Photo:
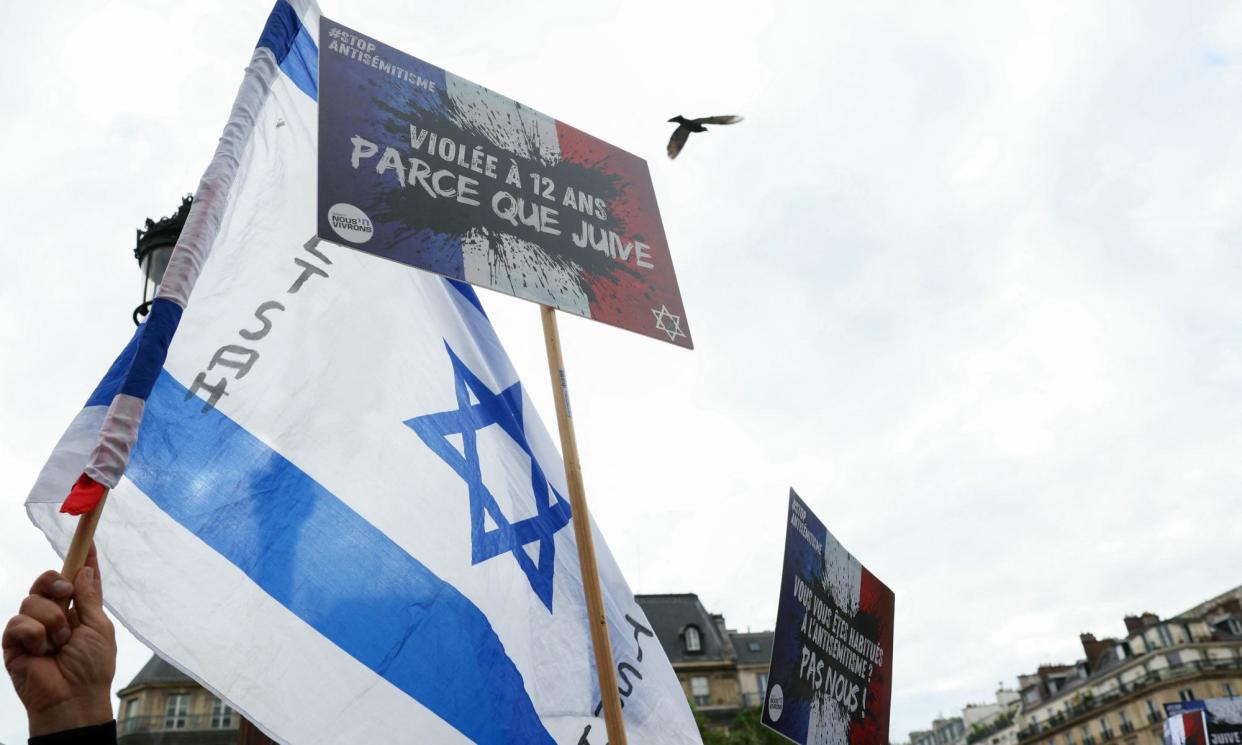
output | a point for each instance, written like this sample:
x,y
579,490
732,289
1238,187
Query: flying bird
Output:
x,y
686,126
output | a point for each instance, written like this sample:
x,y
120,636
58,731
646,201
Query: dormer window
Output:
x,y
693,639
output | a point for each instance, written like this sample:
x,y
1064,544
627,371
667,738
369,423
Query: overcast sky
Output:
x,y
967,277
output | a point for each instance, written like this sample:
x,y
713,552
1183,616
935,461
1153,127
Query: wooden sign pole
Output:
x,y
80,546
597,621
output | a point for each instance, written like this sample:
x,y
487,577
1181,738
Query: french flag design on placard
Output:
x,y
452,177
1187,728
831,677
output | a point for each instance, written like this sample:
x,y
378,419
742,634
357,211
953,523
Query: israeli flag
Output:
x,y
332,502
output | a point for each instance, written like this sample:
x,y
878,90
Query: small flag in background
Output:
x,y
332,502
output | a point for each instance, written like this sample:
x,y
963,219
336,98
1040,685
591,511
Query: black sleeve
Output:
x,y
99,734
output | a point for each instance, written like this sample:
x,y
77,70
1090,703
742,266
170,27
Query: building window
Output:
x,y
694,640
761,680
1106,732
1235,626
175,711
1153,714
700,691
131,708
1186,694
1175,659
1069,738
221,715
1166,639
753,646
1124,720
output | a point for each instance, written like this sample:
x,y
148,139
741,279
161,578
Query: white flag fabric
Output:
x,y
332,501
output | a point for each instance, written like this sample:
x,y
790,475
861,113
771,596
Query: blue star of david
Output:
x,y
503,409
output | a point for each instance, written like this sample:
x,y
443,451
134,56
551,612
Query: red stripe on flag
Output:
x,y
84,496
1194,728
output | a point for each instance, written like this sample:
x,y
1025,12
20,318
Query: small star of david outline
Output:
x,y
662,317
552,510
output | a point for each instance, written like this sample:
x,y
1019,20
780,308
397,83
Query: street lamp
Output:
x,y
153,248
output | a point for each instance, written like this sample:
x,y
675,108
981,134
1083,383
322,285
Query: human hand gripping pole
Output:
x,y
62,662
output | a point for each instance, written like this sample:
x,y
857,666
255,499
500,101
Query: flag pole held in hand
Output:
x,y
80,546
608,691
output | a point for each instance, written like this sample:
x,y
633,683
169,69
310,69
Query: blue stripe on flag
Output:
x,y
468,293
136,368
329,566
110,385
294,49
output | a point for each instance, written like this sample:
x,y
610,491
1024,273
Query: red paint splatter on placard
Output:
x,y
630,298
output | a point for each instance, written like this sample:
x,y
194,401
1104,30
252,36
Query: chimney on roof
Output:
x,y
1136,624
1093,648
726,642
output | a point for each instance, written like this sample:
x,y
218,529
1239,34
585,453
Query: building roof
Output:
x,y
1203,608
159,672
752,648
1109,658
671,614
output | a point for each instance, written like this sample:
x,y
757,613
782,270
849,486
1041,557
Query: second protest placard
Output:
x,y
832,654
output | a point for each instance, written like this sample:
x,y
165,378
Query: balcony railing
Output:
x,y
978,733
1090,703
1126,728
197,723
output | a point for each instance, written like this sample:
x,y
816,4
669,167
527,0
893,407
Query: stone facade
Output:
x,y
944,731
754,657
163,706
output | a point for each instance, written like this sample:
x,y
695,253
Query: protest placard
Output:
x,y
831,677
423,167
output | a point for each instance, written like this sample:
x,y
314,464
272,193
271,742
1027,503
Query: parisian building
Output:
x,y
993,723
944,731
1118,690
721,670
163,706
